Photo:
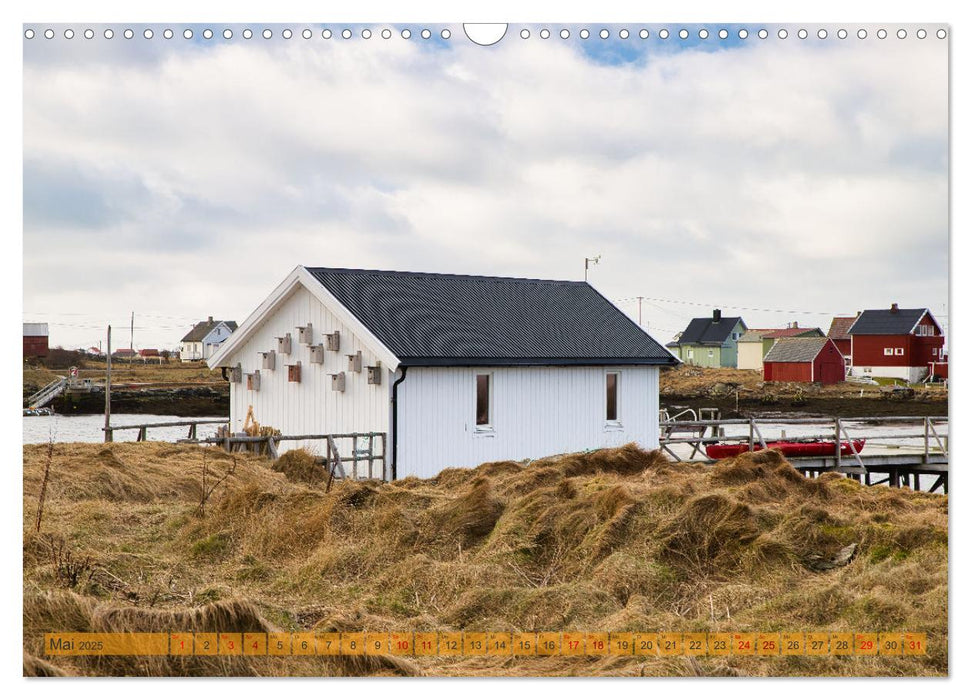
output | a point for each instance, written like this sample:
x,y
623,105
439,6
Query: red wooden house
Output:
x,y
895,342
839,333
804,360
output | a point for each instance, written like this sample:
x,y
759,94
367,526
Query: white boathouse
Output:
x,y
452,370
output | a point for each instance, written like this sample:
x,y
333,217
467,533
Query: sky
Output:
x,y
777,179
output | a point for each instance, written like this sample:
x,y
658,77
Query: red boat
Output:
x,y
815,448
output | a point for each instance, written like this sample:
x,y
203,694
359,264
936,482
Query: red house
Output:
x,y
35,340
895,342
839,334
804,360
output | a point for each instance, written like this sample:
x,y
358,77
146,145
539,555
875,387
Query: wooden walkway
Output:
x,y
886,458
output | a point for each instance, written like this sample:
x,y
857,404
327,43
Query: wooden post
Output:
x,y
108,435
142,434
839,461
927,431
751,434
354,458
131,341
384,456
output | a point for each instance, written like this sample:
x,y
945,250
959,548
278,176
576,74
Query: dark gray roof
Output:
x,y
203,328
705,331
795,349
886,321
448,320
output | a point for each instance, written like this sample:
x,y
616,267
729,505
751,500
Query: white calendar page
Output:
x,y
357,345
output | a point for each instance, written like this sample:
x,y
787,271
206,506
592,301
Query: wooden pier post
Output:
x,y
839,461
927,444
108,435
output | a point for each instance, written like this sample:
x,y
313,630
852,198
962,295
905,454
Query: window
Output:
x,y
483,402
711,353
613,380
691,354
888,351
898,351
933,352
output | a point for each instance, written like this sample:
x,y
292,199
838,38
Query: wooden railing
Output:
x,y
142,428
359,449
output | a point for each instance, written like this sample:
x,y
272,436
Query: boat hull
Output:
x,y
789,449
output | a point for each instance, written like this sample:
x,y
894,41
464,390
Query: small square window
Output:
x,y
898,351
888,351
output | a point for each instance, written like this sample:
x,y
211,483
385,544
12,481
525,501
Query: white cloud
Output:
x,y
771,175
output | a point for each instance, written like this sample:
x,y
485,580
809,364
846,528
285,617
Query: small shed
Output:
x,y
756,342
35,340
804,360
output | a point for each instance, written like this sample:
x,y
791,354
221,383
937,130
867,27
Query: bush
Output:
x,y
59,358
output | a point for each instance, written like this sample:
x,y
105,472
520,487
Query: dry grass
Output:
x,y
616,539
300,466
174,372
687,381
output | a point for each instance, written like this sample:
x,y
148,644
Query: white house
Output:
x,y
455,370
205,337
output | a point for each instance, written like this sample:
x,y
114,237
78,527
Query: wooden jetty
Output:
x,y
885,459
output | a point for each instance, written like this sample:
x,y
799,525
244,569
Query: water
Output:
x,y
88,428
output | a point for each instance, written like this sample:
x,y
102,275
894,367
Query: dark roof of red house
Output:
x,y
892,321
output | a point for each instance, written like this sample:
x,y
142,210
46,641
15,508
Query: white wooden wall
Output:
x,y
310,406
537,411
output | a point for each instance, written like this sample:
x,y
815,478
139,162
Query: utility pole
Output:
x,y
586,265
108,436
639,315
131,341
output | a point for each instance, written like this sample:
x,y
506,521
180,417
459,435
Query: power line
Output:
x,y
730,306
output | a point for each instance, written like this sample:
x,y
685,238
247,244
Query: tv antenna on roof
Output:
x,y
586,265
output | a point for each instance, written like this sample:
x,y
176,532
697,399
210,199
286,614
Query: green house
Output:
x,y
711,341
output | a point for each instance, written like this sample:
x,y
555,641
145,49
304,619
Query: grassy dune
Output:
x,y
611,540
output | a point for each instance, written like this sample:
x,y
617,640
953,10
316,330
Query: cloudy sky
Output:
x,y
780,179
